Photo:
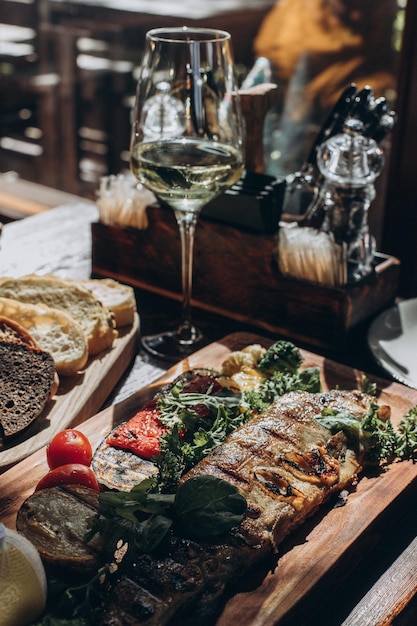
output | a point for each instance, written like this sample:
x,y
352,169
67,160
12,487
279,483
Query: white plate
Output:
x,y
392,338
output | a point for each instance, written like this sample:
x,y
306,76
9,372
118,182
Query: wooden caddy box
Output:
x,y
235,275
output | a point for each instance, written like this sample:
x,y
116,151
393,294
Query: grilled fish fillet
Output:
x,y
286,465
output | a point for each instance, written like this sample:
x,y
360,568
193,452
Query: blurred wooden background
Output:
x,y
67,83
67,79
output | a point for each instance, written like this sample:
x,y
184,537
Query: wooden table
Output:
x,y
380,588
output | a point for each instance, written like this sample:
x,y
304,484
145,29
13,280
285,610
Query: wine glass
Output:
x,y
187,144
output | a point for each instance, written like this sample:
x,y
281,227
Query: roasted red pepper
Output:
x,y
141,434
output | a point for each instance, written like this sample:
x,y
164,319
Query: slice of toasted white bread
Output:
x,y
54,331
27,381
117,297
77,301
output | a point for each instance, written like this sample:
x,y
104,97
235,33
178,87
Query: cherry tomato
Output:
x,y
69,474
69,446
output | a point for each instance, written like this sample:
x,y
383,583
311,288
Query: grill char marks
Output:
x,y
284,479
173,585
280,462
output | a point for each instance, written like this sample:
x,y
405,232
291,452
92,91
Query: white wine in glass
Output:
x,y
187,144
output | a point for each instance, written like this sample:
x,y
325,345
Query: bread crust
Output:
x,y
13,332
117,297
72,298
27,382
54,331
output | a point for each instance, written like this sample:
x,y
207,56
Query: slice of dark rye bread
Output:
x,y
27,382
13,332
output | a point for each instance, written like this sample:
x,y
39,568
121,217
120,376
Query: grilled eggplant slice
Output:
x,y
56,521
286,465
122,469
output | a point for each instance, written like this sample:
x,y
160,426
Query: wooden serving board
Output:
x,y
324,549
78,397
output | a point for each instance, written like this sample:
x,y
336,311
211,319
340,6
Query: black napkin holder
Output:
x,y
255,203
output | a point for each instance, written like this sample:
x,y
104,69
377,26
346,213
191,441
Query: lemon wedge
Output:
x,y
23,587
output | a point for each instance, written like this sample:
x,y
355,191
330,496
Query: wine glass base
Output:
x,y
169,347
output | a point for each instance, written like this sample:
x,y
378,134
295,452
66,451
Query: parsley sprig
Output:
x,y
283,382
197,423
407,440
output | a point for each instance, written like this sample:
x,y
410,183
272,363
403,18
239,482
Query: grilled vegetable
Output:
x,y
286,465
141,434
282,356
174,556
195,413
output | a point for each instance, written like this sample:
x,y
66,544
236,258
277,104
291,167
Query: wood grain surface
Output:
x,y
322,552
305,312
78,398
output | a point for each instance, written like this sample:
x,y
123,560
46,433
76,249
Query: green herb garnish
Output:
x,y
197,423
368,386
280,383
407,440
203,507
373,437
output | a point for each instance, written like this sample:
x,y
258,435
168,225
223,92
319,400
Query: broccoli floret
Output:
x,y
282,356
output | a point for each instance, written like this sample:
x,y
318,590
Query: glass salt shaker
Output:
x,y
350,163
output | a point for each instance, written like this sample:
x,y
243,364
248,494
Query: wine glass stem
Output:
x,y
187,333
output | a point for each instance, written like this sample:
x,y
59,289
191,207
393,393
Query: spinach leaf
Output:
x,y
138,500
207,507
340,421
375,439
151,532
